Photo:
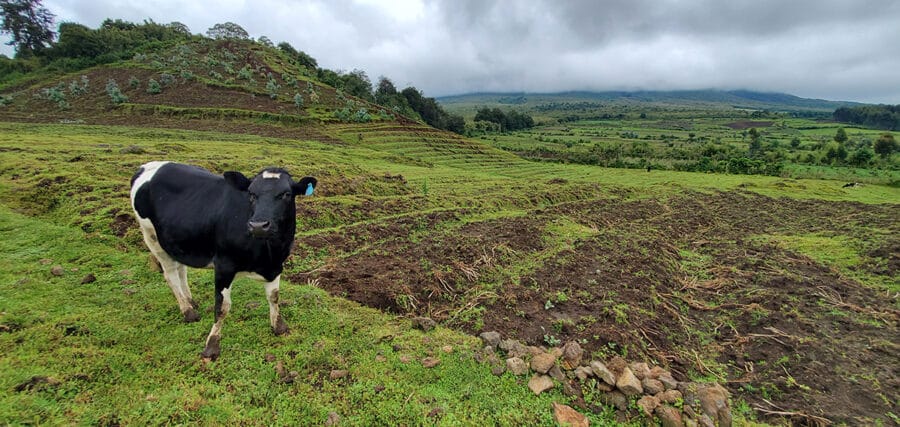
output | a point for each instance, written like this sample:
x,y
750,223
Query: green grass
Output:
x,y
121,354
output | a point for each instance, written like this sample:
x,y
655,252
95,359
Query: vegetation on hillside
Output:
x,y
885,117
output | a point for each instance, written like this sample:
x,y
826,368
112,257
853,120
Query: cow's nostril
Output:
x,y
257,226
265,225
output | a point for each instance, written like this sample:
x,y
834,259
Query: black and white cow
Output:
x,y
235,225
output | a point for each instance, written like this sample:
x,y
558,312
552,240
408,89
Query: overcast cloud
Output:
x,y
837,50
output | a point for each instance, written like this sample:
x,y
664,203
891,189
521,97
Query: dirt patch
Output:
x,y
747,124
681,282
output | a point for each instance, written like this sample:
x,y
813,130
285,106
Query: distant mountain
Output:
x,y
707,97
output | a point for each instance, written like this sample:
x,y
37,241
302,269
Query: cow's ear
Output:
x,y
304,187
237,180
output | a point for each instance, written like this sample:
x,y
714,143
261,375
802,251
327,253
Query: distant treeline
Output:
x,y
885,117
508,121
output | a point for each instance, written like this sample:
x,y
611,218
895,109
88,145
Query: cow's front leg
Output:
x,y
275,319
223,305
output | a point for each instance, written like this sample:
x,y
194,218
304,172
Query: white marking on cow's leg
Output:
x,y
174,272
215,334
185,286
275,319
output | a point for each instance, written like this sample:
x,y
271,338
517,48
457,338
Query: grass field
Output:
x,y
400,210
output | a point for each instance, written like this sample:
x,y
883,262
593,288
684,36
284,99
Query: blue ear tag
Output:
x,y
309,189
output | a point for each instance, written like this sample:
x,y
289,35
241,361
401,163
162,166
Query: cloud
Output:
x,y
830,49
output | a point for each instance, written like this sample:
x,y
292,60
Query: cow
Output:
x,y
238,226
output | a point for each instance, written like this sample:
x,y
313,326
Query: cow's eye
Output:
x,y
285,196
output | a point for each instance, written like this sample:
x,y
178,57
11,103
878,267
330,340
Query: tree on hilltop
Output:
x,y
29,23
227,30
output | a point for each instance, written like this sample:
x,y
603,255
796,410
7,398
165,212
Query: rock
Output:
x,y
430,362
656,371
615,398
706,421
640,370
333,419
566,416
404,358
269,357
380,358
516,366
337,374
542,362
89,278
534,351
498,369
602,372
556,351
571,355
572,389
602,386
57,270
669,416
647,404
540,383
557,374
652,386
513,348
669,396
689,422
714,403
424,323
45,261
616,365
668,382
491,338
447,349
628,383
583,373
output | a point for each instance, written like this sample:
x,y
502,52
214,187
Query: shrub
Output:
x,y
245,73
5,100
166,79
115,95
187,75
77,87
298,101
153,86
272,88
133,82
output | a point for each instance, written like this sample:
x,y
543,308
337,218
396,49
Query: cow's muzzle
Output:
x,y
259,228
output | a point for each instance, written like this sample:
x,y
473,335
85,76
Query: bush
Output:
x,y
115,95
272,88
77,88
166,79
153,87
298,101
133,82
5,100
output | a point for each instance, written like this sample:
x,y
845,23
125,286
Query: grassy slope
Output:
x,y
126,357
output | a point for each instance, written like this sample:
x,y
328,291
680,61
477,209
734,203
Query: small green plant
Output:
x,y
561,297
133,82
551,340
79,87
153,87
548,305
245,73
187,75
5,100
298,101
115,95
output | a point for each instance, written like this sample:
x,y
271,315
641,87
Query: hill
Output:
x,y
779,288
710,98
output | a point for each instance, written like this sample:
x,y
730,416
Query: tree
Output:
x,y
885,145
29,24
840,136
227,30
755,142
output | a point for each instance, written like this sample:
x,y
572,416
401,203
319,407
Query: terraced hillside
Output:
x,y
785,290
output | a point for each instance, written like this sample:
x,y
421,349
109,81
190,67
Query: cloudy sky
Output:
x,y
830,49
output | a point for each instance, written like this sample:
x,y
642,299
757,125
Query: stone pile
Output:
x,y
658,396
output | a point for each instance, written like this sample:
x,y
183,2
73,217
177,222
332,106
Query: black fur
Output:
x,y
200,218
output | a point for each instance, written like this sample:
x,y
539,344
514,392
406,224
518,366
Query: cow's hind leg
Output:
x,y
174,272
275,319
223,305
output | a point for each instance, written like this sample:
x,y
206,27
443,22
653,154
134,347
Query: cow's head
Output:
x,y
271,197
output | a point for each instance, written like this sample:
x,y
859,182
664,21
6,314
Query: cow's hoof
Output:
x,y
280,328
191,315
211,351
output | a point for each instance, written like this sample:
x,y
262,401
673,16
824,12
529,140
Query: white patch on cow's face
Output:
x,y
271,175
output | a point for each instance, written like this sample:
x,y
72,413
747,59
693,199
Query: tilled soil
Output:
x,y
689,282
